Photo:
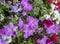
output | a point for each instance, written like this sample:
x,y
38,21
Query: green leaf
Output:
x,y
36,11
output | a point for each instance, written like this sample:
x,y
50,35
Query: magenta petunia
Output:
x,y
47,22
50,0
2,31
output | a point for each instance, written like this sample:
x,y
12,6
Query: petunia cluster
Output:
x,y
55,11
47,26
21,6
47,40
29,26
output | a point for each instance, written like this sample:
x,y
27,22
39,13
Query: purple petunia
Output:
x,y
15,8
27,31
32,22
20,24
26,5
3,2
23,2
23,13
28,27
9,30
43,40
2,41
2,31
18,7
53,29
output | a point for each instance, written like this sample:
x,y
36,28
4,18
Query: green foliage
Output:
x,y
40,8
59,37
36,11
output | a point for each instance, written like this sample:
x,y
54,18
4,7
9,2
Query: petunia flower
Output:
x,y
56,13
53,38
26,5
43,40
23,2
2,31
47,23
53,29
3,2
20,24
57,4
15,8
27,31
2,41
10,29
32,22
23,13
28,27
